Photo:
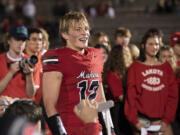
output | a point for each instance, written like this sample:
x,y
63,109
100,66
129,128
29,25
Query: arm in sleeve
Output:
x,y
130,99
51,81
172,98
50,61
115,84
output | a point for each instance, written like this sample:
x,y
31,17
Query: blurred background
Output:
x,y
103,15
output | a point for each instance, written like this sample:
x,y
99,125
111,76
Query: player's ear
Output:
x,y
64,35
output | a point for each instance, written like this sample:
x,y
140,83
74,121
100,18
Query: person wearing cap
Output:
x,y
175,44
16,82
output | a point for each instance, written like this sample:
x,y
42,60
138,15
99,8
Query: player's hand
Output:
x,y
88,112
27,69
163,126
14,67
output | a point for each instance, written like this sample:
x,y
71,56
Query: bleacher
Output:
x,y
134,15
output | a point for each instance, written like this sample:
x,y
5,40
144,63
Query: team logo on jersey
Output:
x,y
88,75
49,60
152,83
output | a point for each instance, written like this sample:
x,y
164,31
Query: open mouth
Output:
x,y
84,40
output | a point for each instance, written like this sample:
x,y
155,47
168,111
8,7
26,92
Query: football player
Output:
x,y
71,74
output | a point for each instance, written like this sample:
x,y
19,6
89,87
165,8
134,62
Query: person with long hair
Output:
x,y
113,77
152,92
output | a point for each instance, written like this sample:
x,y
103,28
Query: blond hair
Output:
x,y
69,19
128,57
134,51
45,38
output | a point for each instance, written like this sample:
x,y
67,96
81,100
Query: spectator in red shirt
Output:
x,y
16,81
152,92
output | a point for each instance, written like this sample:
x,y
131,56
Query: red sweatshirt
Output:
x,y
152,91
115,84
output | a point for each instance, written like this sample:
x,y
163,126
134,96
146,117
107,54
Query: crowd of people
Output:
x,y
40,88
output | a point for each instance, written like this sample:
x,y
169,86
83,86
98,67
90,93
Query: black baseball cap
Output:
x,y
18,32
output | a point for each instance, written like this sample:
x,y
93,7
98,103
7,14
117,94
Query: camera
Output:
x,y
31,61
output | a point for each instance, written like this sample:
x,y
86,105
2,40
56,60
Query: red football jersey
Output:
x,y
81,78
16,87
152,91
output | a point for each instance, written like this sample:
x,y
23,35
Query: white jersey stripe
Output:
x,y
50,60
